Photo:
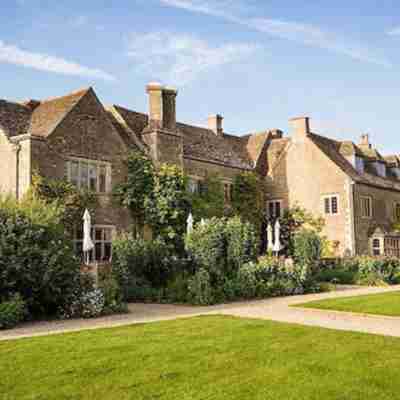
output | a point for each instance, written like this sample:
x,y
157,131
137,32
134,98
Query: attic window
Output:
x,y
380,168
359,165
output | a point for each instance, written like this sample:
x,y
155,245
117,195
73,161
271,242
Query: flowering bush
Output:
x,y
92,303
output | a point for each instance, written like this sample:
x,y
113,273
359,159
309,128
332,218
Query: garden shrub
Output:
x,y
222,246
246,281
12,312
307,248
241,243
37,260
200,291
374,271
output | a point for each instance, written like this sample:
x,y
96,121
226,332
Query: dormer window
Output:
x,y
359,161
395,171
380,168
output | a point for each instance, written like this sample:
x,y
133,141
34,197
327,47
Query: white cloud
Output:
x,y
13,55
302,33
178,59
394,31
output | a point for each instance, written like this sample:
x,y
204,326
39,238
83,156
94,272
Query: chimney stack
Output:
x,y
162,106
365,141
300,128
215,124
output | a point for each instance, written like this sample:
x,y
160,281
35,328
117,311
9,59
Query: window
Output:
x,y
397,212
376,247
89,175
380,168
331,205
228,192
274,208
102,239
366,207
359,165
193,186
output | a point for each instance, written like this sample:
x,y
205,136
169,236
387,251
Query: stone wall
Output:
x,y
302,176
86,133
383,202
8,174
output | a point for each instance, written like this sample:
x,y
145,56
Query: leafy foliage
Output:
x,y
210,200
222,246
139,186
293,221
200,291
137,262
307,248
248,200
168,206
71,201
12,312
36,260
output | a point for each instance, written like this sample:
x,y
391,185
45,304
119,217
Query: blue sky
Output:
x,y
256,62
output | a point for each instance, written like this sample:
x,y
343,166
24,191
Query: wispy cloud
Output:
x,y
306,34
43,62
179,59
394,31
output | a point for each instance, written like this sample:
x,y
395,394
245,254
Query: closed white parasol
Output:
x,y
87,240
269,238
189,224
277,245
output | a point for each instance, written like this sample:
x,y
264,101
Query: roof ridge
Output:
x,y
82,92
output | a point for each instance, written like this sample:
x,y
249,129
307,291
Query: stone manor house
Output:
x,y
352,186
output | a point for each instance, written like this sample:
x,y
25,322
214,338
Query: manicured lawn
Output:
x,y
378,304
202,358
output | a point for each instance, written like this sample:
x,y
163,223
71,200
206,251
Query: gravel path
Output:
x,y
276,309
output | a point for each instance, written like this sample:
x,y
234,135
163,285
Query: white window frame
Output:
x,y
103,241
369,198
88,162
330,197
274,202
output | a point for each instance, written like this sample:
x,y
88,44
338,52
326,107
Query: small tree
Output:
x,y
295,220
248,198
167,206
65,195
138,186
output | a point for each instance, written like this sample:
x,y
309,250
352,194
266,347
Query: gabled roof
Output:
x,y
331,148
131,137
49,113
256,143
14,118
198,143
203,144
392,160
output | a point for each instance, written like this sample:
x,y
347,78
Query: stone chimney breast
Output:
x,y
300,128
364,141
215,124
162,106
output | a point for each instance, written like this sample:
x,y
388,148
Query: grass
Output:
x,y
379,304
209,358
